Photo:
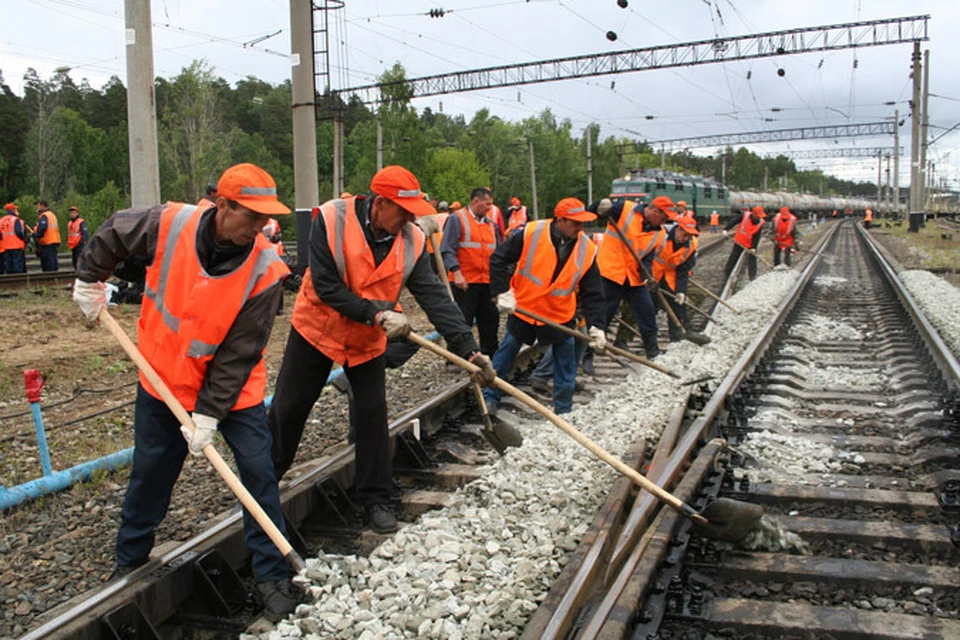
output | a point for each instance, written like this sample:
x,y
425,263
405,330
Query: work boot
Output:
x,y
587,365
381,519
540,385
676,335
620,344
650,346
280,599
122,570
579,385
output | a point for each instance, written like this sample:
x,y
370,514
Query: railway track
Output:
x,y
10,282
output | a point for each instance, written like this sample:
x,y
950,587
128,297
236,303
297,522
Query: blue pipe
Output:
x,y
62,479
41,439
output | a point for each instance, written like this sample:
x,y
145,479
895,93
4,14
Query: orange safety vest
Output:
x,y
336,336
478,240
783,229
496,215
205,203
73,233
531,283
669,257
8,232
179,332
868,217
746,231
52,234
714,219
518,218
614,259
269,230
438,236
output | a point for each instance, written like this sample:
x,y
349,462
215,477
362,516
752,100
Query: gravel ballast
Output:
x,y
940,302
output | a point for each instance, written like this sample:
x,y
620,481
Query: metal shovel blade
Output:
x,y
729,520
698,339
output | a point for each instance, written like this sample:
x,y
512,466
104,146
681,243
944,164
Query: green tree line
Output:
x,y
67,143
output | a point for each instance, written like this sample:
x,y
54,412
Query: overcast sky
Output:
x,y
369,36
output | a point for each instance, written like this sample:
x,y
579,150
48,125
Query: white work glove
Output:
x,y
428,224
507,302
91,298
394,324
598,339
681,299
459,281
604,206
206,427
487,374
725,232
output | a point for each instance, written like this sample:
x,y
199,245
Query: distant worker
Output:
x,y
13,235
363,251
785,236
274,235
714,222
868,218
47,233
642,225
544,270
516,215
673,261
496,215
470,237
684,212
746,238
77,234
209,200
212,283
443,212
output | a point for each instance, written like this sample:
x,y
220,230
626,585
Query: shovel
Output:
x,y
714,296
691,307
728,519
231,480
752,252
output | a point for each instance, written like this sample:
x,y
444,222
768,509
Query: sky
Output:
x,y
240,38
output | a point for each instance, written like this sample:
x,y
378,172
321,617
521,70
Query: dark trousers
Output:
x,y
302,376
3,263
680,310
476,304
48,257
75,254
787,252
732,262
158,455
640,303
15,261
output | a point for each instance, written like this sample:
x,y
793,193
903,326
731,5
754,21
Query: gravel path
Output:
x,y
940,301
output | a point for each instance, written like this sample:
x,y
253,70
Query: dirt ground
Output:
x,y
936,246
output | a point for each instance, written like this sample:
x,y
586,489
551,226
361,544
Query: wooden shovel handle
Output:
x,y
567,428
713,295
231,480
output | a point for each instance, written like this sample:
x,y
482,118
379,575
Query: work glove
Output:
x,y
206,427
681,299
652,286
487,374
725,232
507,302
91,297
598,339
428,224
459,281
394,324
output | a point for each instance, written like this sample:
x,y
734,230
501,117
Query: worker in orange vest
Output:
x,y
47,233
517,215
785,235
747,237
642,225
210,198
470,237
77,234
684,212
673,261
426,223
363,251
868,218
212,284
13,236
545,269
714,222
496,215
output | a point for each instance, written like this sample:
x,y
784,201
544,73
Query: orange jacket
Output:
x,y
339,338
73,233
714,219
868,216
205,203
438,236
518,218
783,226
52,234
531,283
614,260
8,233
746,231
668,258
478,240
179,331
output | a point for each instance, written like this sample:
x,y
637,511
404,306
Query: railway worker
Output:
x,y
496,215
77,234
785,235
868,218
516,215
210,197
470,237
428,224
47,233
13,235
714,222
747,237
684,212
673,261
271,231
622,276
363,250
546,269
195,256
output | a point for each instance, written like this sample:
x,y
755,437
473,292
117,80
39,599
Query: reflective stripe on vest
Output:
x,y
52,234
783,229
746,231
74,235
466,240
8,229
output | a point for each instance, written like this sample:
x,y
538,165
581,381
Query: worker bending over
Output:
x,y
212,285
672,263
362,251
747,237
786,236
543,270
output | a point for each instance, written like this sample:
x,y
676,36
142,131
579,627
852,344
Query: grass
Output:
x,y
933,250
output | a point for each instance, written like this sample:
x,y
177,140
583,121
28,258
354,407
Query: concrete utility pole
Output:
x,y
925,123
896,161
723,169
141,105
589,133
379,144
337,152
306,185
915,187
886,193
879,180
533,181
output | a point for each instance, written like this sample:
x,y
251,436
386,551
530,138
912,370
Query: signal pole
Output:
x,y
924,129
306,185
915,185
533,180
896,161
589,133
141,105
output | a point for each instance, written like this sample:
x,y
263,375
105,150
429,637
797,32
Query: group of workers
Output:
x,y
15,235
746,238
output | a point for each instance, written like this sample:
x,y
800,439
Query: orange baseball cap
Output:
x,y
784,210
515,201
681,202
400,186
573,209
456,205
758,211
10,206
345,195
665,204
251,186
688,225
